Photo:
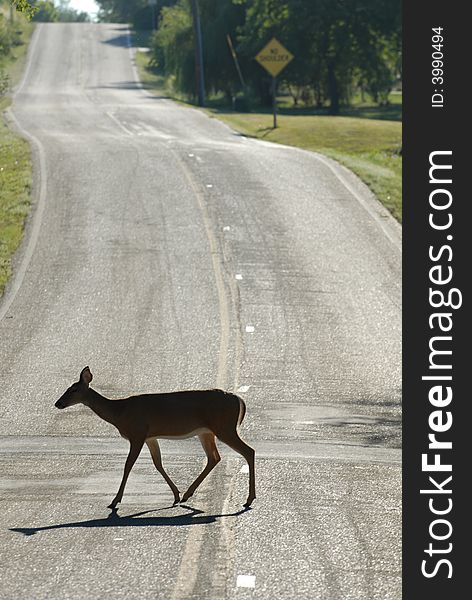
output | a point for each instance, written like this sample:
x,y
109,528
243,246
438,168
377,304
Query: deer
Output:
x,y
145,418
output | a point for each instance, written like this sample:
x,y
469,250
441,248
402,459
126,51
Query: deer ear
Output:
x,y
86,376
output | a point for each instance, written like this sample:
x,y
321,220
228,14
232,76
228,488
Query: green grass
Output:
x,y
15,169
366,138
15,196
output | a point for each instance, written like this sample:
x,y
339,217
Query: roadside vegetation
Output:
x,y
340,48
51,11
15,155
59,11
341,95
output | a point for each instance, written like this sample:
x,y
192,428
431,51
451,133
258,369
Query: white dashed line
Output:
x,y
226,228
247,581
191,155
243,388
209,185
250,328
120,124
238,276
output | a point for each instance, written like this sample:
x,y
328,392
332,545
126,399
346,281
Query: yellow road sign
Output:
x,y
274,57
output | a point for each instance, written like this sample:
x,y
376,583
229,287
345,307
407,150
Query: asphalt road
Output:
x,y
168,252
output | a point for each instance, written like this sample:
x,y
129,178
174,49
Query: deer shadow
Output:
x,y
194,516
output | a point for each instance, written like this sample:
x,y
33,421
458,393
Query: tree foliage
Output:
x,y
45,11
340,46
49,10
59,11
10,36
119,11
139,13
173,46
24,7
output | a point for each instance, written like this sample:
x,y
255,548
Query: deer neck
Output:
x,y
101,406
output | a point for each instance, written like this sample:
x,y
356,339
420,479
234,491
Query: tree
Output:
x,y
334,42
45,12
24,7
10,36
66,14
48,11
138,13
6,37
220,19
119,11
339,46
173,47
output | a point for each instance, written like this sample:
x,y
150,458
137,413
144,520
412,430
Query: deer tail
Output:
x,y
242,410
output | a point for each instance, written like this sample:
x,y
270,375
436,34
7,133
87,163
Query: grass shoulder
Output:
x,y
15,167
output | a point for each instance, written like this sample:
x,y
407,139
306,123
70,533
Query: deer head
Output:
x,y
77,392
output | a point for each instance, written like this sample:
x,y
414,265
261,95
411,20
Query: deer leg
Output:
x,y
213,458
134,451
155,451
233,440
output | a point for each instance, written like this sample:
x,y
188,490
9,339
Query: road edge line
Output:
x,y
377,214
31,231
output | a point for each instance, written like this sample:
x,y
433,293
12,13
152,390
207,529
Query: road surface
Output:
x,y
168,252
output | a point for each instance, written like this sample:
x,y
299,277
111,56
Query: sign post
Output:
x,y
274,58
274,100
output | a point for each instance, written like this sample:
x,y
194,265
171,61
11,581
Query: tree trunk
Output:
x,y
333,90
